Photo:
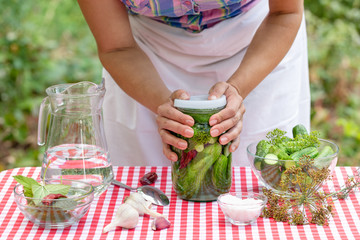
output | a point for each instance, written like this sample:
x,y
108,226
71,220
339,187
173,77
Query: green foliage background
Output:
x,y
44,43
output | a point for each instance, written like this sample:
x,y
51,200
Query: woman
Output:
x,y
153,51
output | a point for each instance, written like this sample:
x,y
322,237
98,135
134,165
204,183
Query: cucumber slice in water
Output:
x,y
271,159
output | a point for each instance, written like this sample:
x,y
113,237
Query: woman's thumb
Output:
x,y
180,94
217,90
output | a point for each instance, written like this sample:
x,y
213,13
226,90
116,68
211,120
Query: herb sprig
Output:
x,y
278,137
306,205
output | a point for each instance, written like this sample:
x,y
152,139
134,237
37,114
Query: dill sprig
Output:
x,y
304,204
303,141
291,145
276,136
351,183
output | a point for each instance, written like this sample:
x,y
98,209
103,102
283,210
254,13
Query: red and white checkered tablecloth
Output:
x,y
190,220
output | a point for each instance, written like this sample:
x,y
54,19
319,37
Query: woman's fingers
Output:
x,y
229,129
168,111
174,126
168,153
235,144
234,102
170,139
217,90
231,134
169,121
226,119
228,122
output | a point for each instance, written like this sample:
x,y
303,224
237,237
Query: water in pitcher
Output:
x,y
83,162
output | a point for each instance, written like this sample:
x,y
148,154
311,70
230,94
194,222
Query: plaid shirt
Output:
x,y
191,15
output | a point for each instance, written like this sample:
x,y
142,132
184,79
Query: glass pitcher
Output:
x,y
75,144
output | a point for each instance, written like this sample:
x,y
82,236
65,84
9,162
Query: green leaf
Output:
x,y
27,184
66,204
39,191
25,181
58,188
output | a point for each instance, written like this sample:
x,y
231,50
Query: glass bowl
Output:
x,y
61,212
271,175
241,208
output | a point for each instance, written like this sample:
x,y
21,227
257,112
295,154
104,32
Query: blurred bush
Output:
x,y
334,57
44,43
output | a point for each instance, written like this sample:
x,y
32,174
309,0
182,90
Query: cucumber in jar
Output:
x,y
189,179
221,174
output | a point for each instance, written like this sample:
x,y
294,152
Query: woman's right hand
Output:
x,y
170,120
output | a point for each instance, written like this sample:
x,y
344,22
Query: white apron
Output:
x,y
194,62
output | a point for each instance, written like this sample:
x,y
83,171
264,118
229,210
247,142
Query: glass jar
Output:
x,y
203,170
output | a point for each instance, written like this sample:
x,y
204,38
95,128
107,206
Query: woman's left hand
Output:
x,y
228,120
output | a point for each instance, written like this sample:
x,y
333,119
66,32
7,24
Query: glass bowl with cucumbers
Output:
x,y
292,165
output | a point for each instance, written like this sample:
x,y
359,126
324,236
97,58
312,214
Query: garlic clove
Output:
x,y
141,205
160,223
126,217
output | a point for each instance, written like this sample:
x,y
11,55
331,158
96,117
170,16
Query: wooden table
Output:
x,y
190,220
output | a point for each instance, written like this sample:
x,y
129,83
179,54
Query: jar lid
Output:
x,y
200,102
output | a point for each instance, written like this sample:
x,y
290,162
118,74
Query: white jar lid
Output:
x,y
200,102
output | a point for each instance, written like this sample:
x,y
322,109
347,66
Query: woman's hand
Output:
x,y
230,118
169,120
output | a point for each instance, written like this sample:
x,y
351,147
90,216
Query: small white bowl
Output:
x,y
241,208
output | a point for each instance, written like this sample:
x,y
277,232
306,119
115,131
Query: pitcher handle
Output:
x,y
42,122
